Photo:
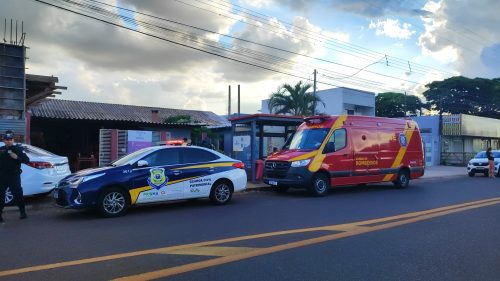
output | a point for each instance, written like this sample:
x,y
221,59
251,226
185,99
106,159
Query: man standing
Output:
x,y
11,157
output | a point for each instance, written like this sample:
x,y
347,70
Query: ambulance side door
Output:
x,y
339,157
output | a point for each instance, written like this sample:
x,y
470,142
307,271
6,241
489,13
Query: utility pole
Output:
x,y
314,94
229,104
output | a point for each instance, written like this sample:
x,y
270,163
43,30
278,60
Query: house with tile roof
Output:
x,y
78,129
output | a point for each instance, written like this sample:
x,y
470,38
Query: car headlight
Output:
x,y
77,181
301,163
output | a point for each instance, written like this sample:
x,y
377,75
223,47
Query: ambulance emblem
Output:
x,y
402,139
157,178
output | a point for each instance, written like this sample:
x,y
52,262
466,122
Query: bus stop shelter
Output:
x,y
255,136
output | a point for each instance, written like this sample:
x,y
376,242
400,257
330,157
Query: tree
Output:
x,y
393,104
455,95
294,100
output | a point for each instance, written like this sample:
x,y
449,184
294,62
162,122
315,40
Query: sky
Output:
x,y
185,53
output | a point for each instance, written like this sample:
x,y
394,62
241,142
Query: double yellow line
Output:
x,y
232,254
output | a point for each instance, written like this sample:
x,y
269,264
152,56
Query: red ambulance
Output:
x,y
347,150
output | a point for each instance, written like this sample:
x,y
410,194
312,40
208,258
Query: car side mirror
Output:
x,y
142,163
330,147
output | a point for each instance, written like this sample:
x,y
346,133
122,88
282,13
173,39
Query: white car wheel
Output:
x,y
9,197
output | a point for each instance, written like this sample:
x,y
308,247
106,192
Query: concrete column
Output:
x,y
253,132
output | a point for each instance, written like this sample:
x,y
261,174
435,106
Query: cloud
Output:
x,y
466,33
392,29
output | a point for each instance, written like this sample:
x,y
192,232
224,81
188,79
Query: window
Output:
x,y
163,157
308,139
339,137
196,155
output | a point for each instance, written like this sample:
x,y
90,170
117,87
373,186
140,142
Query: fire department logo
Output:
x,y
157,178
402,139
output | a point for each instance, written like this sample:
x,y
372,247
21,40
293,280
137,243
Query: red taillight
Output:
x,y
239,165
41,165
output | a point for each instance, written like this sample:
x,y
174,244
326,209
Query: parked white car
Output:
x,y
43,172
479,164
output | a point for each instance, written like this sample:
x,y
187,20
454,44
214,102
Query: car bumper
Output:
x,y
295,177
68,198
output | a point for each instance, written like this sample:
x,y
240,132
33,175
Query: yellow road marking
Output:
x,y
350,229
210,251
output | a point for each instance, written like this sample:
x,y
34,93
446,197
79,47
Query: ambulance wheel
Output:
x,y
320,185
281,188
471,174
403,179
113,202
221,192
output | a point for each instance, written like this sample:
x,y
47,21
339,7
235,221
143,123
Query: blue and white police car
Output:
x,y
153,174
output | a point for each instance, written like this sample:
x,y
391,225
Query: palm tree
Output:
x,y
294,100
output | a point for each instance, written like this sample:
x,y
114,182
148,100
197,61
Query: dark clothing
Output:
x,y
10,175
489,155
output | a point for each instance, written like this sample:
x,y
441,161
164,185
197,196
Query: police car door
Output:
x,y
200,169
159,181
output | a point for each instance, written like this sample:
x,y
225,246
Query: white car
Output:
x,y
41,174
479,164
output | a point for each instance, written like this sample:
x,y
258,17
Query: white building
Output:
x,y
340,101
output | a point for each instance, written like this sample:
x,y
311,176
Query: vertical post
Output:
x,y
27,138
314,94
261,141
253,132
239,112
229,104
231,149
114,144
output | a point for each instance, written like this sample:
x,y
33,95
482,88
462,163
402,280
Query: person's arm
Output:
x,y
21,156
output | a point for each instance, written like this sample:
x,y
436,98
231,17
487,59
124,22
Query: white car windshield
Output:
x,y
482,154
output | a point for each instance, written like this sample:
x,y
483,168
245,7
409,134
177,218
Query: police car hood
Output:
x,y
87,172
290,155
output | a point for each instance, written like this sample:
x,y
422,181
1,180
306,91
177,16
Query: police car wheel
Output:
x,y
320,185
113,202
221,192
471,174
9,197
403,179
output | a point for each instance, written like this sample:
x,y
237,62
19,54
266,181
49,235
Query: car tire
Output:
x,y
320,185
403,179
9,197
221,192
471,174
113,202
281,188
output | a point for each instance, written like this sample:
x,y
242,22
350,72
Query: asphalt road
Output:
x,y
437,229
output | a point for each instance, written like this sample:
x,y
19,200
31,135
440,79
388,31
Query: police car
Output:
x,y
153,174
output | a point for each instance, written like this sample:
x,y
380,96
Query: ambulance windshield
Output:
x,y
309,139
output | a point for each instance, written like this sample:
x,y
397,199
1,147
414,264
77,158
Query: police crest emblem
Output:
x,y
157,179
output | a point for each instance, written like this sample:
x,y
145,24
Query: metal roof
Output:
x,y
83,110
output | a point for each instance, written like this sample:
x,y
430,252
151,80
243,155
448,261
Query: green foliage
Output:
x,y
393,105
178,119
293,100
478,96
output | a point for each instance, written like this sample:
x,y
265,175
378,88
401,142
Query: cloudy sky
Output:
x,y
185,53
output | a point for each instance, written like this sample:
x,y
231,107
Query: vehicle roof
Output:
x,y
363,121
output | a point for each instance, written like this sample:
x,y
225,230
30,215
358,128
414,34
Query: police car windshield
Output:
x,y
131,156
309,139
